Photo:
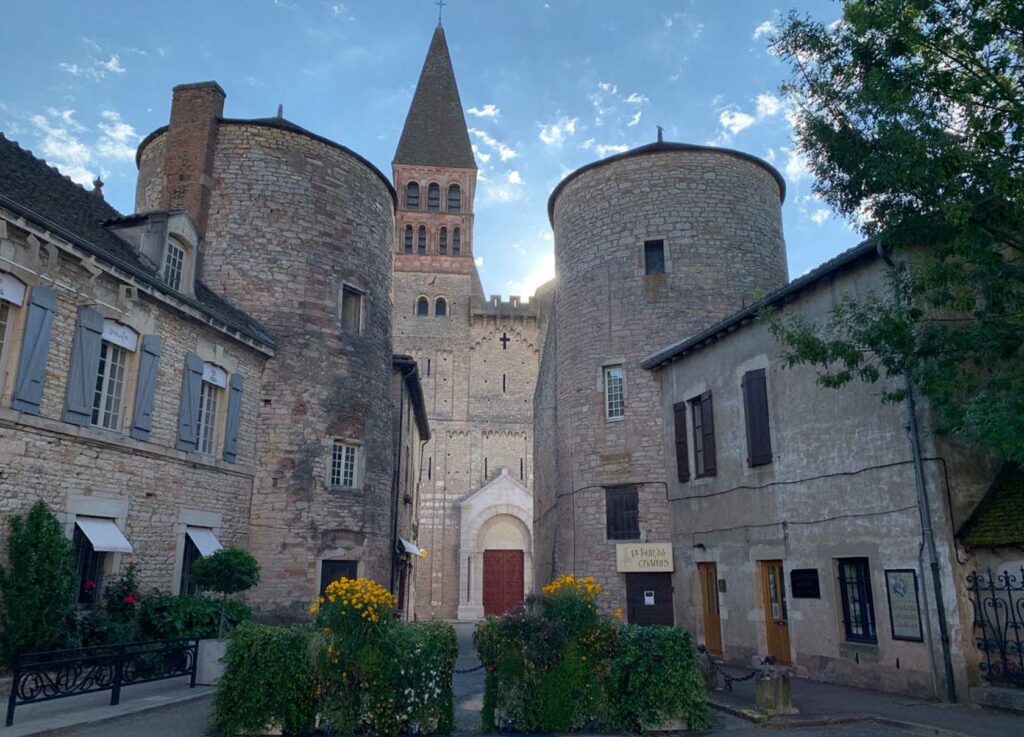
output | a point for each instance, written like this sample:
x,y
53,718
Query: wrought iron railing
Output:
x,y
57,674
998,601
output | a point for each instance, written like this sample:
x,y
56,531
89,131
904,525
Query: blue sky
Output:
x,y
547,86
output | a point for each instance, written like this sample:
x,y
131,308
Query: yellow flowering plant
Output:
x,y
584,586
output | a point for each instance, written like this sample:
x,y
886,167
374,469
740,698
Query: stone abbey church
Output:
x,y
285,349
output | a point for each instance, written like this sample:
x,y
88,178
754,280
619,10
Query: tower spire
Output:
x,y
440,7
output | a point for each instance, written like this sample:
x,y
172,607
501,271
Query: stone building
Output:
x,y
799,534
661,240
478,361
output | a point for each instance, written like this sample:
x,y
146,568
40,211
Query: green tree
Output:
x,y
228,571
910,114
36,585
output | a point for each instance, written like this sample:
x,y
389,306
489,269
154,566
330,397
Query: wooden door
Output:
x,y
708,573
649,598
503,580
773,591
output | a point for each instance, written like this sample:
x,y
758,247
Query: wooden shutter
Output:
x,y
234,418
28,388
708,434
682,450
145,391
755,407
188,416
85,365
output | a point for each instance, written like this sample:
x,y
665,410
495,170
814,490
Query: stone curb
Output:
x,y
63,725
788,722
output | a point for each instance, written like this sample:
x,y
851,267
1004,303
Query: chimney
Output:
x,y
196,110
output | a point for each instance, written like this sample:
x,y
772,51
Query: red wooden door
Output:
x,y
503,580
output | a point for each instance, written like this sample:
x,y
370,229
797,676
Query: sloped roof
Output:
x,y
40,193
999,519
435,132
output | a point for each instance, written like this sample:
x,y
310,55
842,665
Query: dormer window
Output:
x,y
454,198
174,265
434,197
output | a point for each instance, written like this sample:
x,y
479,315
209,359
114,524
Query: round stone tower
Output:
x,y
298,232
651,246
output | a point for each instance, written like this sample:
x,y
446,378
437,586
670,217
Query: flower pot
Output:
x,y
209,661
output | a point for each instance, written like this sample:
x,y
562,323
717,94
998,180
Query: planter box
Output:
x,y
209,664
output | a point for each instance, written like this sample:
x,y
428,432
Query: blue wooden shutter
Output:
x,y
28,388
188,417
234,418
85,364
145,391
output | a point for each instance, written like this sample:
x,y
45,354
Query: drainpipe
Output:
x,y
927,534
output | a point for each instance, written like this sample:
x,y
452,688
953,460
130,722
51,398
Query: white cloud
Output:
x,y
588,143
542,271
614,148
797,167
338,8
770,155
119,139
487,111
61,147
765,29
820,215
635,119
113,64
608,87
637,99
768,105
735,121
97,70
555,133
479,261
514,177
484,157
504,152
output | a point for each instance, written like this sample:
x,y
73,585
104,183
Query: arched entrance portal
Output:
x,y
496,548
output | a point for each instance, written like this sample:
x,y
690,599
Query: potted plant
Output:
x,y
226,572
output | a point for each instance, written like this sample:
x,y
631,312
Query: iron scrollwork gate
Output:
x,y
998,601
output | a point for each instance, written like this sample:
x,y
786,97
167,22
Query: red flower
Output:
x,y
89,584
129,599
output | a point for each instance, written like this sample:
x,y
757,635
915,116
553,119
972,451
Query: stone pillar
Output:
x,y
196,110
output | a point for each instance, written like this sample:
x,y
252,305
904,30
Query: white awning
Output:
x,y
205,541
11,289
407,547
103,534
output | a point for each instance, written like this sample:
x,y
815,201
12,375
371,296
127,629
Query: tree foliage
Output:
x,y
911,115
228,571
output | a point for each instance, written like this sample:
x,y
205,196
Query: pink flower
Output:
x,y
89,584
129,599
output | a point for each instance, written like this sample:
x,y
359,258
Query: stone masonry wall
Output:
x,y
719,216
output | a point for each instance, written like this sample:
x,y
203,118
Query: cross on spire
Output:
x,y
440,7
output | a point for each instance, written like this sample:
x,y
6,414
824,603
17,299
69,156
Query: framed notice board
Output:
x,y
803,583
904,606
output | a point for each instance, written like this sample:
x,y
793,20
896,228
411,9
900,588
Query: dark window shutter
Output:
x,y
708,431
755,406
145,391
682,450
85,364
28,388
234,418
188,416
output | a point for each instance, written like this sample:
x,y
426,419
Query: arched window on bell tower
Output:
x,y
412,196
442,241
421,240
454,198
422,307
434,197
441,307
457,242
408,239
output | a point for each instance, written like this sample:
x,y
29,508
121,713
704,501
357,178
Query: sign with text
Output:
x,y
644,558
904,609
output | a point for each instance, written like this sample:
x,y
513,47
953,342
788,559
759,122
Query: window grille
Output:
x,y
858,606
622,511
107,399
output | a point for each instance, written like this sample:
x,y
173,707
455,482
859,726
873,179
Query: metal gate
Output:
x,y
998,601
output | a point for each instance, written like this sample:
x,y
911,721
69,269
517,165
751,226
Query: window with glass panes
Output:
x,y
209,399
109,396
434,197
187,586
858,606
408,239
344,457
88,569
174,262
412,196
622,512
454,198
442,241
421,240
614,393
456,242
5,320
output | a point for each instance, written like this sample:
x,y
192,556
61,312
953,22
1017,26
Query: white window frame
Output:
x,y
614,407
361,294
108,401
341,451
174,265
7,315
208,426
12,300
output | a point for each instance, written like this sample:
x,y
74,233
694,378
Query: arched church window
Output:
x,y
456,242
454,198
422,307
421,240
408,239
442,241
434,197
412,196
441,307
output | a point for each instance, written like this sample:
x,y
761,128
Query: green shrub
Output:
x,y
36,586
228,571
163,616
267,680
424,663
655,678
